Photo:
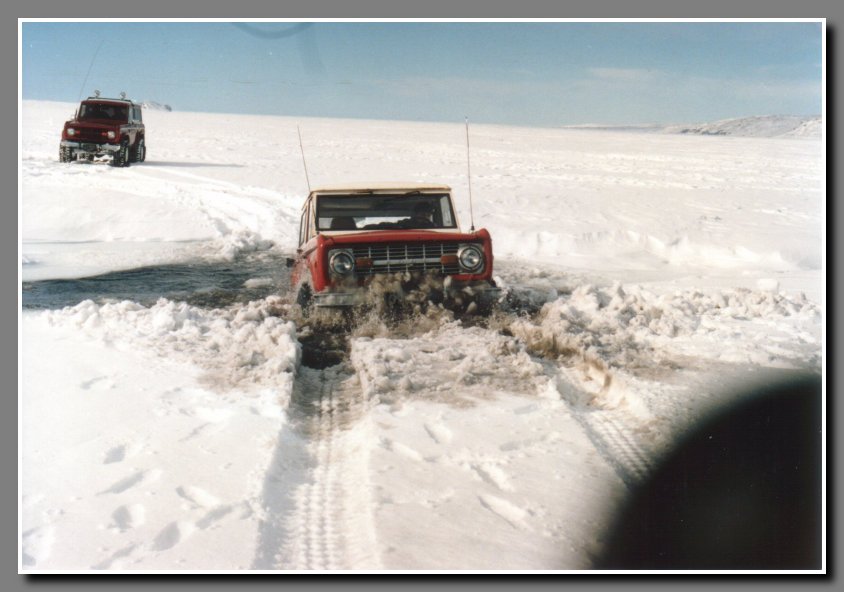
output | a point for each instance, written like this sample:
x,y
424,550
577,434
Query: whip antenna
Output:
x,y
469,178
91,65
305,164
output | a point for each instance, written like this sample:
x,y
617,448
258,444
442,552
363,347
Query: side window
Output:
x,y
311,218
306,226
303,225
445,209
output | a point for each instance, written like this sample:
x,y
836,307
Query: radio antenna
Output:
x,y
88,73
305,164
469,178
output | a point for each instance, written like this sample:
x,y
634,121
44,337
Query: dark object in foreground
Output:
x,y
742,492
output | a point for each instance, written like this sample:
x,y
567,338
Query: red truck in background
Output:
x,y
105,128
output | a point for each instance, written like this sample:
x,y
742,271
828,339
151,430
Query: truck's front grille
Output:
x,y
89,135
398,257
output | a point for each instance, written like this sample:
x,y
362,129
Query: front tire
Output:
x,y
121,157
139,152
66,154
305,300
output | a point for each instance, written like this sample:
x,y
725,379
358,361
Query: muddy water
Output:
x,y
324,338
202,283
323,350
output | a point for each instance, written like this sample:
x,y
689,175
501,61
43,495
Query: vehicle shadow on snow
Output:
x,y
184,164
158,163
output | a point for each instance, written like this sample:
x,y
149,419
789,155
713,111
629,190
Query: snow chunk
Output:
x,y
450,363
604,330
242,241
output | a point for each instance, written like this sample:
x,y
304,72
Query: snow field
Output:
x,y
662,270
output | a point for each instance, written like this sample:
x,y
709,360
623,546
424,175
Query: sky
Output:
x,y
538,73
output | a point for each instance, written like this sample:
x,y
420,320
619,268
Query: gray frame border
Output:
x,y
378,9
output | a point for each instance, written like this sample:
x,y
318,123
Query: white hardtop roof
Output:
x,y
381,188
106,100
388,188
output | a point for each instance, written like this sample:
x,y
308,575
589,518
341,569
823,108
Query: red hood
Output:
x,y
102,124
392,236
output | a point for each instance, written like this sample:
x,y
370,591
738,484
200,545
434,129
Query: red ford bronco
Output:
x,y
111,128
350,238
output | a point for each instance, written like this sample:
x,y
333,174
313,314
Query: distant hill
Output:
x,y
762,126
765,126
810,128
153,106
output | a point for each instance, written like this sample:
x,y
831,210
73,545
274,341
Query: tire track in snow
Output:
x,y
612,431
591,390
230,208
614,439
325,522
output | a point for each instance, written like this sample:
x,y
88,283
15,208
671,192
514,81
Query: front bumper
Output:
x,y
90,147
484,295
338,299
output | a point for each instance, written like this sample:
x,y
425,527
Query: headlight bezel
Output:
x,y
341,262
471,258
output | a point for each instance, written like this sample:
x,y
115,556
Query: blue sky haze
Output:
x,y
540,73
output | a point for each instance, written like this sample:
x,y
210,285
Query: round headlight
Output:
x,y
111,134
341,262
70,131
471,258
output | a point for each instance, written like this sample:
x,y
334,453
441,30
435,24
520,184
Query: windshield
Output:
x,y
382,212
103,111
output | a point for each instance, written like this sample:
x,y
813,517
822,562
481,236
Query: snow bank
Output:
x,y
247,347
625,326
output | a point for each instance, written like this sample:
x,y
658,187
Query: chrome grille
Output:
x,y
89,135
399,257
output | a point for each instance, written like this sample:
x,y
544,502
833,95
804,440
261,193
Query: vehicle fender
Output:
x,y
318,262
310,265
